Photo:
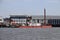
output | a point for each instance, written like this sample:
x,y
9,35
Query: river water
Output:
x,y
30,34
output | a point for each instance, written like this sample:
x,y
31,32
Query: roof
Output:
x,y
37,16
17,15
47,17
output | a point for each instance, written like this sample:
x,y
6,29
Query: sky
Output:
x,y
29,7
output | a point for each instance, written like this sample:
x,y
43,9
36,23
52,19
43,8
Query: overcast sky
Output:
x,y
29,7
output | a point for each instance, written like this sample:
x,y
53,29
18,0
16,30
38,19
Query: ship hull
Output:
x,y
44,26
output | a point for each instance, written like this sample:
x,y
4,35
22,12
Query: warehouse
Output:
x,y
53,20
20,19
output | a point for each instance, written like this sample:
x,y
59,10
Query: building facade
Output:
x,y
53,20
18,18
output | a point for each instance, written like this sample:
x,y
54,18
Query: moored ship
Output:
x,y
24,21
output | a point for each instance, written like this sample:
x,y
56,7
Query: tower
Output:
x,y
44,16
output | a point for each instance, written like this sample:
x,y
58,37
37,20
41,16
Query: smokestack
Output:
x,y
44,16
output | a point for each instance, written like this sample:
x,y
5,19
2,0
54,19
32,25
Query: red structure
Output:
x,y
46,25
44,16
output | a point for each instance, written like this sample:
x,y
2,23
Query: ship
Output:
x,y
28,24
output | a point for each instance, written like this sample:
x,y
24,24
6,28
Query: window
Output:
x,y
34,20
37,20
0,19
59,21
41,19
50,21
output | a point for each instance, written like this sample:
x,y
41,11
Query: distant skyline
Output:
x,y
29,7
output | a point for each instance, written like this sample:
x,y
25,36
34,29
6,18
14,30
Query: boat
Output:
x,y
28,24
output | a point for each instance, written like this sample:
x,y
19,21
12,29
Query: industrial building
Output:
x,y
35,20
53,20
20,19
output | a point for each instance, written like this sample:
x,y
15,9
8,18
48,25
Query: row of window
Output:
x,y
36,20
19,17
19,20
54,21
